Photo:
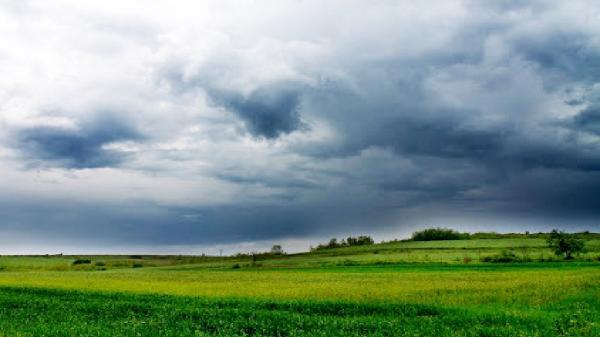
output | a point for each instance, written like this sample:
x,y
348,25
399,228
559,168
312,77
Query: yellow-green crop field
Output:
x,y
380,290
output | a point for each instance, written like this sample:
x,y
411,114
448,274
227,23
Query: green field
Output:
x,y
435,288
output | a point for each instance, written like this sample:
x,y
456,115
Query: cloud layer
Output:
x,y
220,122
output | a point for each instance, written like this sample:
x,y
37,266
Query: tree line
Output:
x,y
350,241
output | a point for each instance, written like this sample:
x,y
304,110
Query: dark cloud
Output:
x,y
268,111
268,180
588,120
75,147
440,138
556,194
566,53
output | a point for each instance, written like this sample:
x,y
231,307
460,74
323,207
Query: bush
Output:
x,y
82,261
434,234
347,262
504,257
100,264
137,265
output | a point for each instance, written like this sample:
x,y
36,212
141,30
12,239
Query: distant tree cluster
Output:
x,y
362,240
256,256
433,234
277,250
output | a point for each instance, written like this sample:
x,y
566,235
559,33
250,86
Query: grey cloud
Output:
x,y
554,193
75,148
568,53
588,120
441,138
268,111
267,180
403,121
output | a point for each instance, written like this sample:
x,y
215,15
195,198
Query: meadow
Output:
x,y
432,288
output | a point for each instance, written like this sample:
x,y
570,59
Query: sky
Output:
x,y
200,126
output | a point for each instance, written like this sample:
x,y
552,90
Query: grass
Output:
x,y
379,290
66,262
113,314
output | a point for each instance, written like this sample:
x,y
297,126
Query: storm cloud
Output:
x,y
75,148
221,123
268,112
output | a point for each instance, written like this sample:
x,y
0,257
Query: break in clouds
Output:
x,y
208,123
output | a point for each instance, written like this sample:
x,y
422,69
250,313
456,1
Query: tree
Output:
x,y
564,244
277,250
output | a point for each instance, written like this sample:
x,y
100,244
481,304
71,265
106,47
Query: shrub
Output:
x,y
236,266
433,234
137,265
504,257
347,262
100,264
82,261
